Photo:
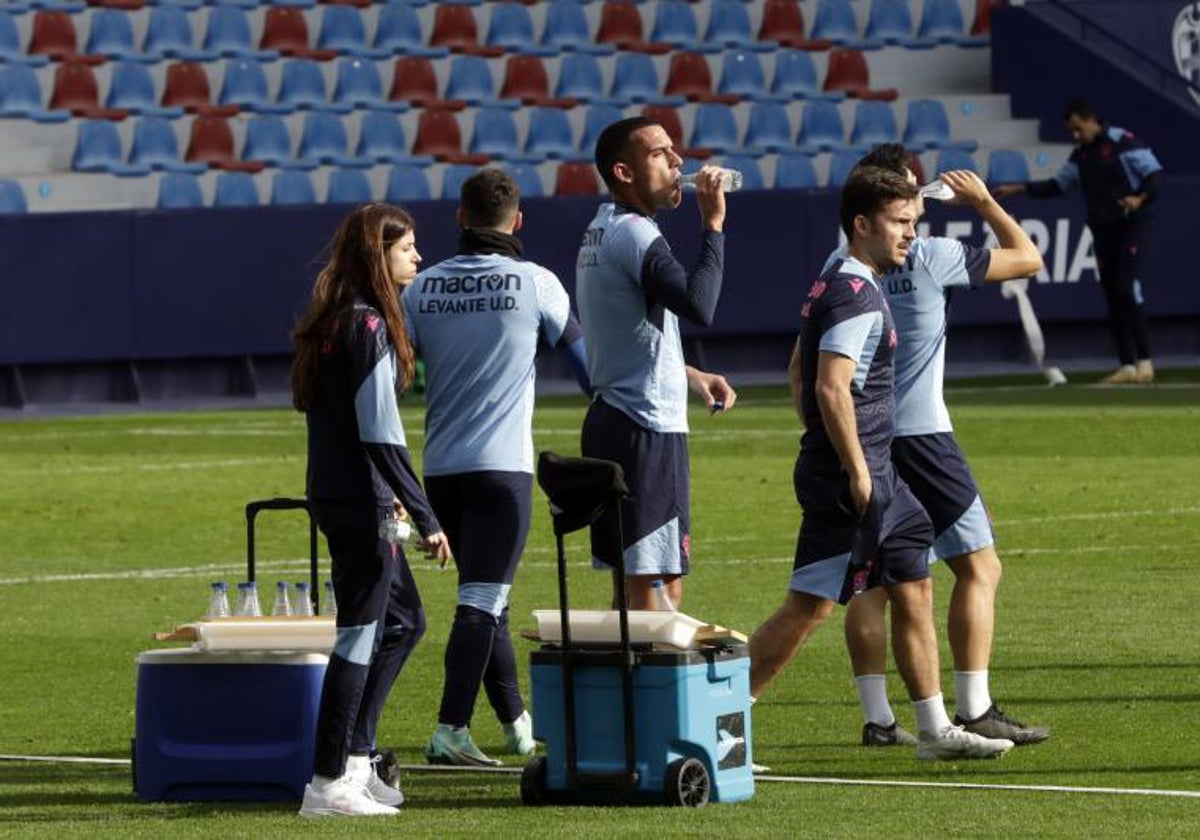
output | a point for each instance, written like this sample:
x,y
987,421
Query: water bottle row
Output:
x,y
288,600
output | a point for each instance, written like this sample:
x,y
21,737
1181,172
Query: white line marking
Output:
x,y
805,780
289,459
1111,514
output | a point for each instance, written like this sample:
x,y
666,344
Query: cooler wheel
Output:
x,y
687,783
533,781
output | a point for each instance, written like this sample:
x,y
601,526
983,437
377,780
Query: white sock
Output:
x,y
872,695
971,695
358,767
931,714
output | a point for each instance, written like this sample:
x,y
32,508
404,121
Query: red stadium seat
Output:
x,y
54,37
576,178
783,22
438,134
689,75
848,74
454,27
621,26
982,24
187,87
525,79
75,90
415,81
668,118
211,142
285,29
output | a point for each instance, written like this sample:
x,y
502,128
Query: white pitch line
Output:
x,y
806,780
156,467
1112,514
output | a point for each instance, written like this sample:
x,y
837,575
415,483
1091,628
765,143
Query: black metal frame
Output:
x,y
279,503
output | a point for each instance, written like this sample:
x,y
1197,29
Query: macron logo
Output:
x,y
857,285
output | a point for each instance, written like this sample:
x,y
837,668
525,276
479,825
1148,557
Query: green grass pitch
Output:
x,y
111,527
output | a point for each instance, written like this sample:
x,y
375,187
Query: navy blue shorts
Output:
x,y
888,545
486,518
937,473
656,518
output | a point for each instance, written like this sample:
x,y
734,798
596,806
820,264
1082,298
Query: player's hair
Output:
x,y
356,268
1079,108
867,190
613,145
489,199
890,156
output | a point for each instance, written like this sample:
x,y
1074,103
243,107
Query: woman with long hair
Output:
x,y
352,355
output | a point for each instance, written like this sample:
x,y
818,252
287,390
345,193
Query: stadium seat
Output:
x,y
675,24
942,21
245,85
54,36
982,25
836,21
783,23
668,118
471,80
597,118
840,165
12,197
285,30
948,159
752,177
768,129
131,88
235,189
635,79
291,186
169,35
21,95
186,87
348,186
525,79
566,29
453,177
155,146
511,28
179,191
714,128
75,90
302,86
439,134
621,26
576,178
742,76
111,35
550,135
688,75
495,135
454,28
729,26
211,142
268,140
890,22
928,127
1007,166
796,77
914,164
848,73
358,86
228,35
415,81
98,149
407,182
874,123
580,78
10,42
323,140
821,128
381,138
398,31
529,182
795,171
343,31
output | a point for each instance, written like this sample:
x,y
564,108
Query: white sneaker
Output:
x,y
518,735
341,797
361,769
955,742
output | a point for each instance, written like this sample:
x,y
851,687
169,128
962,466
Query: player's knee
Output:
x,y
979,568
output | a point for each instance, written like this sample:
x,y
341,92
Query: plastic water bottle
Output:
x,y
218,602
396,531
330,599
939,190
660,598
731,180
303,605
248,605
283,604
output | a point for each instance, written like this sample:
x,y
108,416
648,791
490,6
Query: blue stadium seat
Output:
x,y
179,191
381,139
235,189
840,165
796,77
98,149
132,89
348,186
836,21
768,129
12,197
453,176
169,35
580,77
495,135
942,21
635,79
1007,166
742,74
714,128
752,177
111,35
342,29
729,26
156,146
471,80
795,171
10,43
874,123
228,35
511,27
21,95
291,186
948,159
821,128
675,24
566,29
594,121
268,140
550,135
890,21
245,84
358,85
407,182
302,85
529,182
928,127
323,140
398,31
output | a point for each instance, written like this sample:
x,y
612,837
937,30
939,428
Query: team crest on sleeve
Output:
x,y
856,285
372,322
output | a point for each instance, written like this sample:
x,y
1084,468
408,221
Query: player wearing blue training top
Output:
x,y
476,320
352,355
632,292
929,460
1119,177
862,528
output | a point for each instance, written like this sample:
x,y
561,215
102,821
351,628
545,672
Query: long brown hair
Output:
x,y
357,267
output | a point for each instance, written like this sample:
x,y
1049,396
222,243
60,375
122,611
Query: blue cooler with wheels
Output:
x,y
235,725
